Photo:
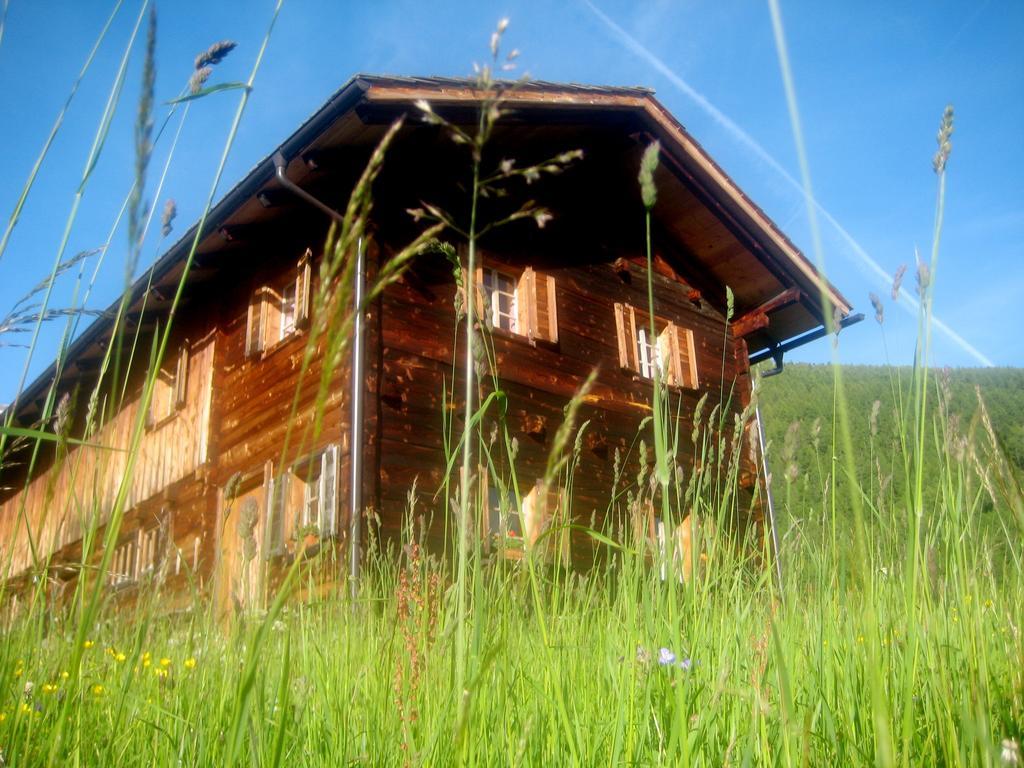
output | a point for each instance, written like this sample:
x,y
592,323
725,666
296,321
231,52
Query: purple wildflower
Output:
x,y
666,657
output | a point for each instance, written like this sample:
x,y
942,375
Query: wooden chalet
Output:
x,y
214,505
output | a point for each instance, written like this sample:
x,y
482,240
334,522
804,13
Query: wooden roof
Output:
x,y
712,226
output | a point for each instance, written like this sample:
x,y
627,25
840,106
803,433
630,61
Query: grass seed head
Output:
x,y
198,79
897,281
648,164
876,302
943,140
215,54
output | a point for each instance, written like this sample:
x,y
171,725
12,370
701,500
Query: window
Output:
x,y
500,301
502,522
140,555
304,502
670,355
287,312
662,546
170,389
278,310
519,302
536,525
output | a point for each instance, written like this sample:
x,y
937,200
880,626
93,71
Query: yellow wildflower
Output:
x,y
97,690
165,662
860,639
18,671
146,662
119,657
190,663
162,673
25,708
988,603
88,644
64,675
3,716
49,688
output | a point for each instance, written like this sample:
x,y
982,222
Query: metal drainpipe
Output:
x,y
356,439
356,445
771,505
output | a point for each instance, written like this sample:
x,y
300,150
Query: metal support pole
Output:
x,y
771,505
356,440
356,436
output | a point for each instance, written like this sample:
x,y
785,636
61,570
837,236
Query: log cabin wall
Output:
x,y
415,323
83,482
260,441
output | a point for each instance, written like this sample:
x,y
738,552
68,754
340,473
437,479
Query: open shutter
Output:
x,y
477,288
668,351
688,359
328,522
546,309
302,291
181,378
625,326
277,492
533,514
254,324
558,518
535,298
526,304
542,510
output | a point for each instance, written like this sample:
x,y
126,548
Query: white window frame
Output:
x,y
494,285
319,503
288,310
648,355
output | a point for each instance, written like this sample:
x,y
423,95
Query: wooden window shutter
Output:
x,y
538,312
483,302
181,378
526,303
533,514
255,323
542,510
625,326
547,309
668,350
688,360
558,519
302,290
477,290
277,493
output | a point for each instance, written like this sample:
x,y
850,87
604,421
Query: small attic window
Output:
x,y
520,302
279,309
670,355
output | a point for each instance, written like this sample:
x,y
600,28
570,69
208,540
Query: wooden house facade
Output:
x,y
228,483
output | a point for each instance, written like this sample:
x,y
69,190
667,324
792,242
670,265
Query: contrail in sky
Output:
x,y
744,138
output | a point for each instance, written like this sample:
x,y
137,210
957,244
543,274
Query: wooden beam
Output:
x,y
757,318
750,322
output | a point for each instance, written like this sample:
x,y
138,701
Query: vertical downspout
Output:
x,y
356,439
771,504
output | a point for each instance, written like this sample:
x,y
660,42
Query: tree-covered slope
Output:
x,y
799,410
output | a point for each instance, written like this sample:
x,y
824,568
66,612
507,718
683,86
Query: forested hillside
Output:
x,y
798,409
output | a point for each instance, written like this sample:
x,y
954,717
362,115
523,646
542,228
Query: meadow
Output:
x,y
890,633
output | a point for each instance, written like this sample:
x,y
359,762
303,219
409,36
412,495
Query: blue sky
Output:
x,y
872,79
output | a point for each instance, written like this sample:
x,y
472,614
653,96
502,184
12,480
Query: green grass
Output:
x,y
894,638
